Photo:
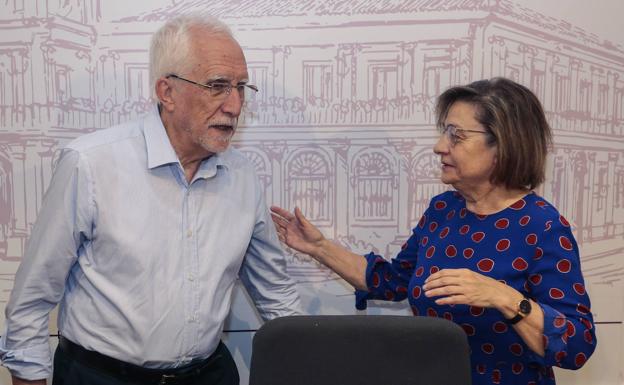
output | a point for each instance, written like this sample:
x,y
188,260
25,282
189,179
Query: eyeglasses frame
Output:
x,y
445,131
209,86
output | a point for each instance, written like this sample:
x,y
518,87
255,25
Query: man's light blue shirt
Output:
x,y
142,262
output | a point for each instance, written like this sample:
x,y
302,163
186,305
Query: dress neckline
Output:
x,y
517,205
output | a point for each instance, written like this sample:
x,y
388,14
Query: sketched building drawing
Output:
x,y
343,125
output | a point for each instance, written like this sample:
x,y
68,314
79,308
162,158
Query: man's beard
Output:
x,y
219,136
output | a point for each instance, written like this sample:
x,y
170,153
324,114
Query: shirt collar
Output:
x,y
159,148
160,151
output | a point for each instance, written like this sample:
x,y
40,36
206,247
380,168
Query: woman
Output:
x,y
492,256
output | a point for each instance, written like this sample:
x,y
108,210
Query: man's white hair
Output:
x,y
170,47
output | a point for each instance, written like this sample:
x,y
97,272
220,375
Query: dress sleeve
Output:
x,y
557,284
63,224
388,280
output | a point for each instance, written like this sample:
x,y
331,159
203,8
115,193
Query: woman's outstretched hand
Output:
x,y
296,231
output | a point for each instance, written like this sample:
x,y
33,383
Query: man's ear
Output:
x,y
164,93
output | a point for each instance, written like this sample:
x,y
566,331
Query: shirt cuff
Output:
x,y
32,363
362,296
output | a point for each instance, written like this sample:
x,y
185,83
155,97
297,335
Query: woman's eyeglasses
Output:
x,y
456,135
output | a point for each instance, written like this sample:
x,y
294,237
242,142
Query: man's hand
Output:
x,y
19,381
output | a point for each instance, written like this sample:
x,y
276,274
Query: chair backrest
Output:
x,y
362,350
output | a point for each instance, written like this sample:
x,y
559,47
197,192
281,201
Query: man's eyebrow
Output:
x,y
217,79
224,79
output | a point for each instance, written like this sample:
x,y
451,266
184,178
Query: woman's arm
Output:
x,y
298,233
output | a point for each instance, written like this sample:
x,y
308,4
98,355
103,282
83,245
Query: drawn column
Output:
x,y
596,75
612,78
575,67
611,191
20,225
528,55
275,151
343,192
549,95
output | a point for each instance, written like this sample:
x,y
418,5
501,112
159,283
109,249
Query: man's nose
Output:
x,y
233,102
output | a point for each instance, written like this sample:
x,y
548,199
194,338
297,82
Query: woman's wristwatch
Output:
x,y
524,308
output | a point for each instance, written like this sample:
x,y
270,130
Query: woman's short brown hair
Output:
x,y
515,120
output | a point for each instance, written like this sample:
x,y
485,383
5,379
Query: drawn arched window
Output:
x,y
261,164
308,185
424,185
374,183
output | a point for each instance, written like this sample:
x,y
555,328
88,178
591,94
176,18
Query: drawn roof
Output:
x,y
319,8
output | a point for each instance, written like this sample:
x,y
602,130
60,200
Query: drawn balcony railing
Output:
x,y
593,233
584,122
75,113
293,111
111,113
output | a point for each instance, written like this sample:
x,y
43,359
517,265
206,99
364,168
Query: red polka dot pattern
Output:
x,y
478,236
528,246
485,265
502,245
564,266
451,251
519,264
579,288
502,223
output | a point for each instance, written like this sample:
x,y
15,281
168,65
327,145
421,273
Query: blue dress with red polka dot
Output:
x,y
530,247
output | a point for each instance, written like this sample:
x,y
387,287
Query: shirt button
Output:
x,y
189,233
191,277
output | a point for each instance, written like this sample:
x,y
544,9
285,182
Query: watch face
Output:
x,y
525,306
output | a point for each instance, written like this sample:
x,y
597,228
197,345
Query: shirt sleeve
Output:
x,y
263,272
388,280
557,284
62,226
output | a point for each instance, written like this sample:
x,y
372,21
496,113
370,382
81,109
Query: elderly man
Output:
x,y
145,228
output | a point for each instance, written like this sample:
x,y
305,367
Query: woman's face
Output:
x,y
467,159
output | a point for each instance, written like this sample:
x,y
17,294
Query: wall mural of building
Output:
x,y
343,125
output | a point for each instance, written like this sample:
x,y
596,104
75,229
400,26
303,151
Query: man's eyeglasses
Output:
x,y
456,135
222,88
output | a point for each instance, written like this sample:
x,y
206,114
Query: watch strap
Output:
x,y
514,320
520,314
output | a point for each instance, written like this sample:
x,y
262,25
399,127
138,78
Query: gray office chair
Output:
x,y
360,350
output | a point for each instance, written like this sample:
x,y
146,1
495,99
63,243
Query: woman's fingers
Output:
x,y
279,221
300,217
444,290
282,213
